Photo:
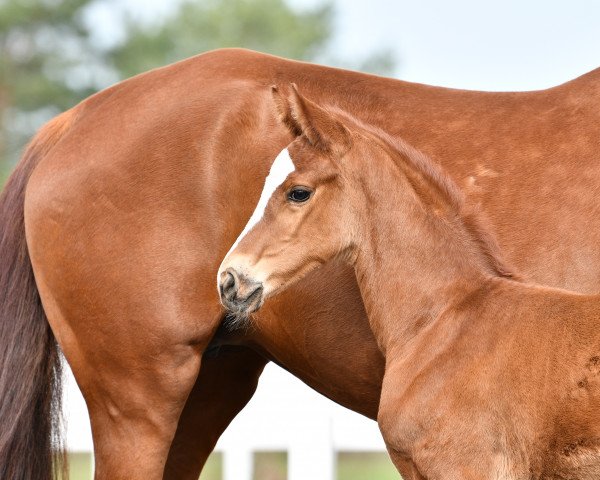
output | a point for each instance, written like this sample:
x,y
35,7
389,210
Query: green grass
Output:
x,y
272,466
213,469
80,466
365,466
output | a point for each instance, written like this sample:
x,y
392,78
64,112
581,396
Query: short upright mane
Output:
x,y
476,226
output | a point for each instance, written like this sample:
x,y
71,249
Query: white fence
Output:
x,y
283,415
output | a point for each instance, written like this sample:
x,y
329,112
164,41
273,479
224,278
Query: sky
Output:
x,y
475,44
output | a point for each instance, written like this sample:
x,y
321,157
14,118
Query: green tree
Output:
x,y
266,25
54,53
38,42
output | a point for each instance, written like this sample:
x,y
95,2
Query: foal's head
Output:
x,y
317,199
306,213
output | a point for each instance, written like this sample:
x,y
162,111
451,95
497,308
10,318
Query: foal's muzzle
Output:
x,y
240,294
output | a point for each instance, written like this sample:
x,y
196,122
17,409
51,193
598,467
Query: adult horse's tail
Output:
x,y
30,365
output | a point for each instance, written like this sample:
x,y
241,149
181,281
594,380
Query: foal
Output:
x,y
486,377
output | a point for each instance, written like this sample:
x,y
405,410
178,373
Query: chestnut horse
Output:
x,y
124,206
485,377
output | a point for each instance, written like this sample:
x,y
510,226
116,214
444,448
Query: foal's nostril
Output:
x,y
254,295
240,293
229,286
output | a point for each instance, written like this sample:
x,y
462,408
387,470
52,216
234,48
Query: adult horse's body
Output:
x,y
486,376
134,196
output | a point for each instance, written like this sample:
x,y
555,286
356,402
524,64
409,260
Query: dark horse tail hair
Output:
x,y
31,447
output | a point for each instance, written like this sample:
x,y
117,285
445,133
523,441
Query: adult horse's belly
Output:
x,y
192,144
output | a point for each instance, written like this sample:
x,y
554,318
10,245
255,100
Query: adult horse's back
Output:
x,y
138,192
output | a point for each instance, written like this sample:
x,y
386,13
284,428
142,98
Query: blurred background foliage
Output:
x,y
55,53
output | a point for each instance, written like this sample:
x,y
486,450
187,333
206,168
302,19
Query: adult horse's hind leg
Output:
x,y
135,385
135,376
226,382
130,297
134,419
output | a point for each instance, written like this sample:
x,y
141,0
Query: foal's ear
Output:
x,y
304,117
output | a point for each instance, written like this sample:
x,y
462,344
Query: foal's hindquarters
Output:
x,y
504,387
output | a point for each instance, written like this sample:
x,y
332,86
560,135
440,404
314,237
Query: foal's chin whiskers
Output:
x,y
235,321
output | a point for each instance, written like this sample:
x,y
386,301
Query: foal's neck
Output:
x,y
417,258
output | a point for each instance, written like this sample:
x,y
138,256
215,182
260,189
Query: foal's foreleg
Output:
x,y
445,468
449,463
226,382
406,467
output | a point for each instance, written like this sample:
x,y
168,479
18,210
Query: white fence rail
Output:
x,y
284,415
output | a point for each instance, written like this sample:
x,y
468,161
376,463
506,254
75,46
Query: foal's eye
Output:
x,y
299,194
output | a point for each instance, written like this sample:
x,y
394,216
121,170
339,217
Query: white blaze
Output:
x,y
281,168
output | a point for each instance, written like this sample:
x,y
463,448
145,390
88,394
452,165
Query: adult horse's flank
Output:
x,y
485,377
127,203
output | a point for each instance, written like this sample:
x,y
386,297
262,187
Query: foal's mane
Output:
x,y
469,215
